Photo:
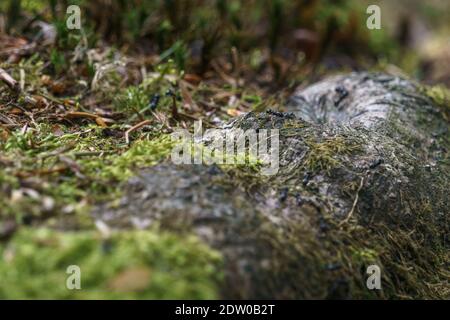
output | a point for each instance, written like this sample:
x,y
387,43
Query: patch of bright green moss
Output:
x,y
141,154
441,96
74,168
127,265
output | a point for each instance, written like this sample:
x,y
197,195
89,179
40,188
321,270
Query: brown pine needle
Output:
x,y
134,128
355,202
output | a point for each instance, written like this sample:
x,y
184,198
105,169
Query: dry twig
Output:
x,y
9,81
135,127
350,213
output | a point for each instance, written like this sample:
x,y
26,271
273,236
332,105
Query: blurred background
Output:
x,y
273,39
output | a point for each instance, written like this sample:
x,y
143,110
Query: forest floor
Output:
x,y
78,119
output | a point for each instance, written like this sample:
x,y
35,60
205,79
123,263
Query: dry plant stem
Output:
x,y
77,114
58,152
91,153
133,128
174,107
9,81
355,202
5,120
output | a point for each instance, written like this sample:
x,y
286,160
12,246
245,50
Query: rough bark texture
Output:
x,y
363,180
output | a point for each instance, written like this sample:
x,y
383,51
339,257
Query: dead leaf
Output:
x,y
57,130
131,279
234,112
16,111
192,78
4,134
41,102
101,122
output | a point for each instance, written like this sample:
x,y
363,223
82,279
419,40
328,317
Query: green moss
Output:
x,y
324,155
365,255
160,85
120,167
34,5
135,264
32,69
441,96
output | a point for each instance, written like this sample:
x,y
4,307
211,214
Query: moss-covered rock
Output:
x,y
363,180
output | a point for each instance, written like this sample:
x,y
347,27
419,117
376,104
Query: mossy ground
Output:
x,y
125,265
